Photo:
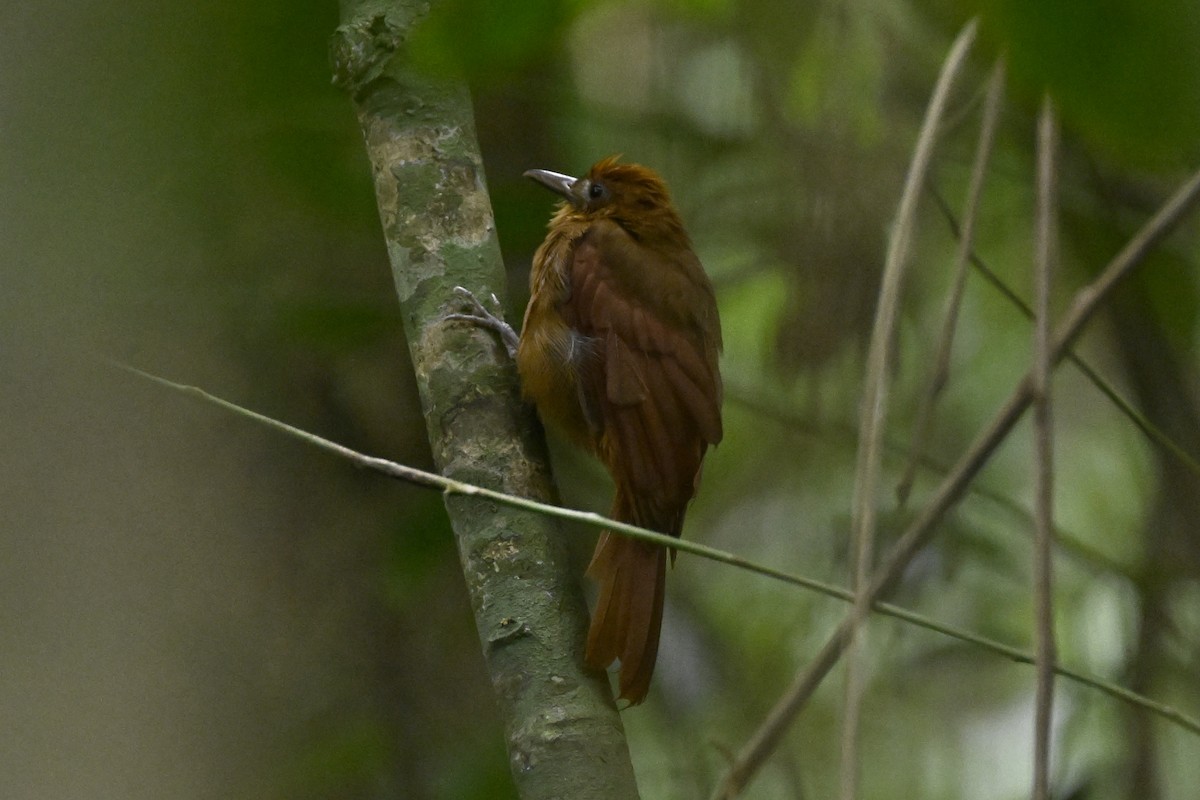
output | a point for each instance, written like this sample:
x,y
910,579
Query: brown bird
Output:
x,y
619,350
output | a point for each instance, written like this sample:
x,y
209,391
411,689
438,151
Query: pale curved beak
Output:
x,y
556,182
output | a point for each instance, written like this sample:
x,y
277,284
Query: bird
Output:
x,y
619,351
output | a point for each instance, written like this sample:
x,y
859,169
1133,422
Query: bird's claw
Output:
x,y
477,307
478,315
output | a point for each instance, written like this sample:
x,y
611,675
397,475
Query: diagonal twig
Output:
x,y
781,414
920,529
941,369
450,486
1152,431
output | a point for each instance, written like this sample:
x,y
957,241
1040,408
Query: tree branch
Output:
x,y
1143,423
450,486
941,368
564,735
920,530
875,398
1045,246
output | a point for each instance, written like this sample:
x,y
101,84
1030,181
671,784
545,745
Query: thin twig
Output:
x,y
431,480
1045,254
941,370
1087,300
751,399
875,395
1155,433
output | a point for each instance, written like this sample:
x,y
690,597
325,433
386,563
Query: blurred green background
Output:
x,y
194,607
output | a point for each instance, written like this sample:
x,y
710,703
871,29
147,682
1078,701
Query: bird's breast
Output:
x,y
549,358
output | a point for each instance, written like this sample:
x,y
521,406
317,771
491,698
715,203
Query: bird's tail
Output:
x,y
628,616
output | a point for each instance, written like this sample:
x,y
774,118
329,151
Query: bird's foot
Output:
x,y
476,314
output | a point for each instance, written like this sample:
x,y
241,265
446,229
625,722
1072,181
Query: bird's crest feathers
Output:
x,y
631,181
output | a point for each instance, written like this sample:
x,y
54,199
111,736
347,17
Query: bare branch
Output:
x,y
875,394
1085,303
941,369
1152,431
1046,253
454,487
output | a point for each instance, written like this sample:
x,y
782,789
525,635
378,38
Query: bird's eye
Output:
x,y
597,191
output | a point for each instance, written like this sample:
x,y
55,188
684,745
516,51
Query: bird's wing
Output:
x,y
650,368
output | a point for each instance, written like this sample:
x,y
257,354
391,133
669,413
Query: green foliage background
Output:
x,y
193,607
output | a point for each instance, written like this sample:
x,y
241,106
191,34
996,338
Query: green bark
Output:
x,y
564,735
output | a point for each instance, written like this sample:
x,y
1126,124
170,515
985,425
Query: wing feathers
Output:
x,y
654,397
659,382
697,400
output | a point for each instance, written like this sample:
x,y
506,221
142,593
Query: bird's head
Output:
x,y
631,195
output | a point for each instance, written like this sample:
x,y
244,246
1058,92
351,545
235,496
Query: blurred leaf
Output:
x,y
422,542
1168,280
1125,74
488,42
1171,285
345,762
335,327
318,163
839,72
700,9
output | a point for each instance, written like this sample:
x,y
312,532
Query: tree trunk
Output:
x,y
564,734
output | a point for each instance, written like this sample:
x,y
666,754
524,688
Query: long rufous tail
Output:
x,y
628,615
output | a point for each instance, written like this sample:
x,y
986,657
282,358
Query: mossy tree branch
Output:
x,y
564,735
